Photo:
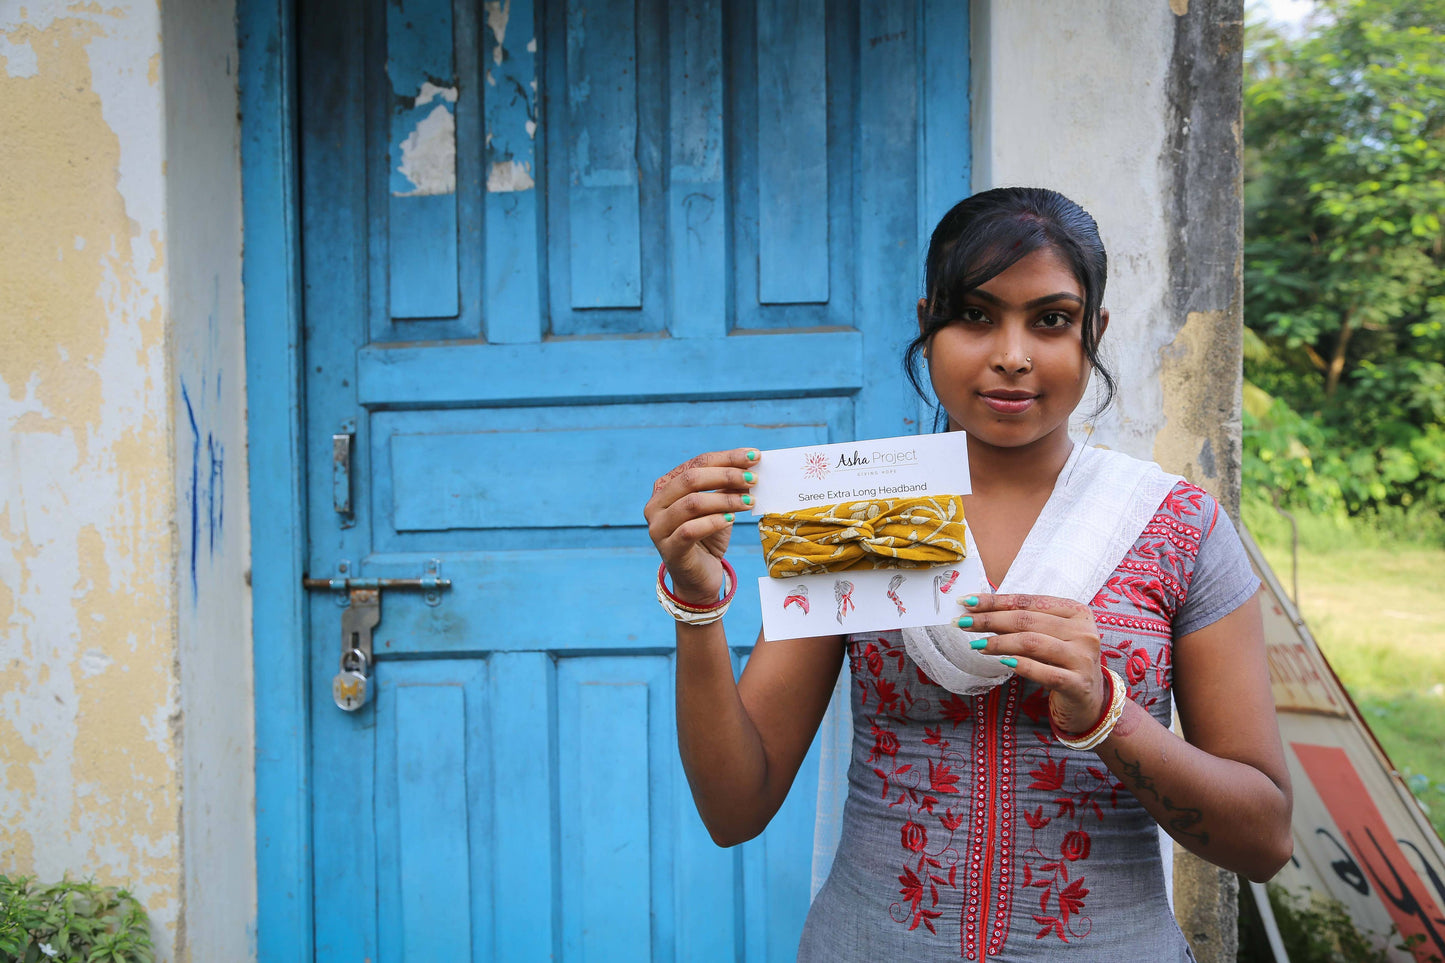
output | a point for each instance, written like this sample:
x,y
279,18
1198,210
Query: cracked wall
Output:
x,y
89,723
125,694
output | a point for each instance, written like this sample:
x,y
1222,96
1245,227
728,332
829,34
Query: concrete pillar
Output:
x,y
1132,108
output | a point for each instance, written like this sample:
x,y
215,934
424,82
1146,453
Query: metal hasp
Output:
x,y
357,621
361,598
431,582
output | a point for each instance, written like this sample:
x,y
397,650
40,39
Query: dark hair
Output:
x,y
988,233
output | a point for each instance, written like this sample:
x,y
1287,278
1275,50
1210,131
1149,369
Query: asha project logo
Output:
x,y
815,465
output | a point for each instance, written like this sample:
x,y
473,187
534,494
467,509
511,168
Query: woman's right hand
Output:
x,y
687,517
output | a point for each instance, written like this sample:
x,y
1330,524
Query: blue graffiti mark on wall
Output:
x,y
214,495
215,491
194,492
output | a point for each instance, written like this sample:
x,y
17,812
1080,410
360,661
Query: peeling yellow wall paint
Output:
x,y
60,213
89,754
1179,7
1200,375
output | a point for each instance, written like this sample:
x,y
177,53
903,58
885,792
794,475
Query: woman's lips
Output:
x,y
1009,402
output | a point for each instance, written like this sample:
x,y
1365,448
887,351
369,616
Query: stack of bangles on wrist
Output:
x,y
690,613
1113,708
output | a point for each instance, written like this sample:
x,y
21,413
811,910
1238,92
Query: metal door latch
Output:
x,y
341,445
362,600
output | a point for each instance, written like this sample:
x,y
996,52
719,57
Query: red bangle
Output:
x,y
732,580
1103,716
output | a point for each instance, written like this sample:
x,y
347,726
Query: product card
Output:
x,y
864,600
867,599
906,467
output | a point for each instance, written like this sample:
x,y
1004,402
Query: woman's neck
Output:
x,y
1030,468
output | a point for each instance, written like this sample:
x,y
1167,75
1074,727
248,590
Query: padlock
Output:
x,y
348,687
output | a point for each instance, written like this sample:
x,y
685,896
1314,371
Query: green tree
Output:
x,y
1345,252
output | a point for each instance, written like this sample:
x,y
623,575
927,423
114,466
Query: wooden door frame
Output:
x,y
271,278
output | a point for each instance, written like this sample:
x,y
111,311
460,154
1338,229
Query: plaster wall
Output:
x,y
124,614
1078,104
89,705
1110,106
213,597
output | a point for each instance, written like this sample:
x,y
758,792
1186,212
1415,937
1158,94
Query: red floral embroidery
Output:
x,y
885,743
1036,706
927,866
882,692
1075,845
1061,899
956,709
915,837
1136,667
1134,662
1164,668
1050,775
1182,495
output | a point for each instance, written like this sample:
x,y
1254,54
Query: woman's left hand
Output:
x,y
1054,642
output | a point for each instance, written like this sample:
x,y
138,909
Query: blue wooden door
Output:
x,y
552,247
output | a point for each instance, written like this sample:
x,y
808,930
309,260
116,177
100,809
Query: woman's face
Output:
x,y
1010,369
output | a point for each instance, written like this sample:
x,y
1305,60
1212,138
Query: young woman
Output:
x,y
1021,821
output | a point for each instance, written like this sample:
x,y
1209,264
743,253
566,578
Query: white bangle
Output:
x,y
1118,695
697,614
686,617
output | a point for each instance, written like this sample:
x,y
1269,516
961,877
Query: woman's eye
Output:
x,y
972,315
1054,320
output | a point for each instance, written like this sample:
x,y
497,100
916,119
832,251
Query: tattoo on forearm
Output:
x,y
1182,819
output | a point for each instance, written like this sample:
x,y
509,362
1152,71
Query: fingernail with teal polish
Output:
x,y
1010,661
747,499
971,600
728,516
977,643
749,477
965,622
752,455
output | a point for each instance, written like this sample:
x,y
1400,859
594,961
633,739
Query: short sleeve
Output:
x,y
1222,580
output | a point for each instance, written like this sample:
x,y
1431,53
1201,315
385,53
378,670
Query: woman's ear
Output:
x,y
923,322
1103,324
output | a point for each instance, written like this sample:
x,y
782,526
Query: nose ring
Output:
x,y
1029,361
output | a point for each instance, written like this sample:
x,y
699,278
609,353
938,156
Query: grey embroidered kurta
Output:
x,y
970,833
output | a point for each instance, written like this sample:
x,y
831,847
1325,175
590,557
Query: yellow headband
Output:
x,y
887,533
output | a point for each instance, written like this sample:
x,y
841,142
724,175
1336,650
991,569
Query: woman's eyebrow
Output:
x,y
983,295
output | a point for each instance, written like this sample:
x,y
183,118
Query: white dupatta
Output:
x,y
1100,503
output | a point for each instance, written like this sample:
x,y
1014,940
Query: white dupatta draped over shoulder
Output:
x,y
1100,503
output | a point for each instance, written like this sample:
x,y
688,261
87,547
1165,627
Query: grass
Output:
x,y
1377,611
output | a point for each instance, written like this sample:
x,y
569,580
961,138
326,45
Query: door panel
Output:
x,y
421,214
614,752
551,248
434,764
